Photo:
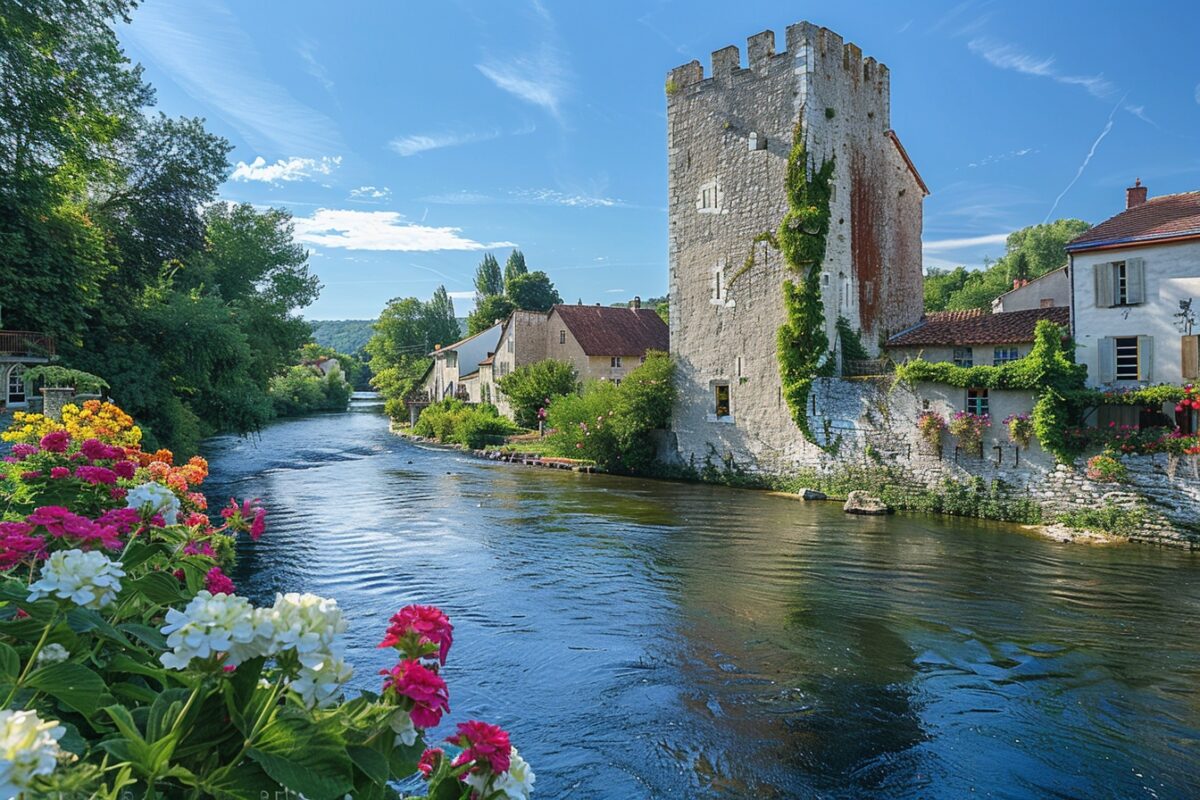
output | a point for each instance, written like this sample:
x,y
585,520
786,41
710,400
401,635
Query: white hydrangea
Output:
x,y
87,579
161,499
305,623
215,624
28,748
51,654
321,686
516,784
402,726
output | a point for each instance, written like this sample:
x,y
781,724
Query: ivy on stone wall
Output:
x,y
802,345
1049,371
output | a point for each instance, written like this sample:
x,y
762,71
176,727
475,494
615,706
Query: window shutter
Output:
x,y
1107,362
1135,281
1104,285
1145,357
1190,357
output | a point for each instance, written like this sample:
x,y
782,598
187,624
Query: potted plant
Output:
x,y
930,425
968,428
1020,429
1106,468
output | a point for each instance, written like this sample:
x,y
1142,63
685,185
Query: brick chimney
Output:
x,y
636,304
1135,195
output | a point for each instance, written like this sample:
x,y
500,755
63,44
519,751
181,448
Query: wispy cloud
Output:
x,y
204,48
368,194
942,245
380,230
613,291
419,143
995,157
307,52
459,198
285,169
1198,93
554,197
540,80
1011,57
1087,160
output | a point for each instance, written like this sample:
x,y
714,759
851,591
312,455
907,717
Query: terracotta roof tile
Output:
x,y
607,331
963,328
1167,217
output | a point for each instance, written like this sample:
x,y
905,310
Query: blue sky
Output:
x,y
407,138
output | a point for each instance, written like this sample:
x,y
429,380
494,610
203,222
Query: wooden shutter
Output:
x,y
1104,285
1106,366
1190,357
1135,281
1145,357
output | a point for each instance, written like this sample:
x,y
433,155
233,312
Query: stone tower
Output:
x,y
728,140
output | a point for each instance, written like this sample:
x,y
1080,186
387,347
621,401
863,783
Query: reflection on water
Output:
x,y
645,639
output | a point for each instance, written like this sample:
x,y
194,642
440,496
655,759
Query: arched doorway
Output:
x,y
15,385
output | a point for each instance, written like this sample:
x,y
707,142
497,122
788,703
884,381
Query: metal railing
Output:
x,y
26,343
865,367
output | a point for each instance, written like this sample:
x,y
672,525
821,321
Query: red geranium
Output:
x,y
423,686
429,623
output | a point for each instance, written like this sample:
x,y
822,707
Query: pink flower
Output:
x,y
31,474
194,548
249,517
96,475
123,519
62,524
124,469
430,760
23,450
217,582
60,472
17,545
117,493
196,520
484,743
55,442
259,525
97,450
423,687
429,623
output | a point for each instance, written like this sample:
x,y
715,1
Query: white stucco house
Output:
x,y
1052,290
1135,292
19,350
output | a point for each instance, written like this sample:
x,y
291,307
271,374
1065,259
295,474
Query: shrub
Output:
x,y
304,390
533,386
1106,468
1020,429
969,428
931,424
1108,518
454,422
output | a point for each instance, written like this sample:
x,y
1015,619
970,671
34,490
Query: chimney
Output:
x,y
636,304
1135,195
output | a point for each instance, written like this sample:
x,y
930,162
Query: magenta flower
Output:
x,y
423,687
429,623
60,472
23,450
217,582
124,469
195,548
485,744
17,544
96,475
55,442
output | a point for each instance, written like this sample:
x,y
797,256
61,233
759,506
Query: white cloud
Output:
x,y
941,245
992,159
614,291
554,197
205,49
459,198
366,193
540,80
289,169
1007,56
315,68
380,230
420,143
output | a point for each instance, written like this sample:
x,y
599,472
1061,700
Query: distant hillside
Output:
x,y
343,335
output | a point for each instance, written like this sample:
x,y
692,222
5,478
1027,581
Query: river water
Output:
x,y
644,639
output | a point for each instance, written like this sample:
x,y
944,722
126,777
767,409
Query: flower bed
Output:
x,y
129,665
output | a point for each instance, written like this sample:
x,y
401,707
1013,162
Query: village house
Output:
x,y
1052,290
326,365
1135,292
600,342
729,135
18,351
455,368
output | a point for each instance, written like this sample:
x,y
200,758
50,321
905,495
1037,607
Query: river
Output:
x,y
646,639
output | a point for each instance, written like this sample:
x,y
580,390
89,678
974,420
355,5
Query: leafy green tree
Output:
x,y
487,311
514,266
488,279
304,390
534,386
533,291
343,335
441,326
941,284
398,352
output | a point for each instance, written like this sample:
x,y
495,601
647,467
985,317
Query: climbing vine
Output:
x,y
802,345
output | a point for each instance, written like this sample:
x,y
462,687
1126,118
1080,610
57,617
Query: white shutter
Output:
x,y
1145,357
1135,281
1106,366
1104,285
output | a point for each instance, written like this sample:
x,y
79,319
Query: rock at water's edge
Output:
x,y
859,502
811,494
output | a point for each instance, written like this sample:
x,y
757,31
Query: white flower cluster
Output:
x,y
88,579
516,784
161,499
51,654
28,748
304,623
402,726
212,624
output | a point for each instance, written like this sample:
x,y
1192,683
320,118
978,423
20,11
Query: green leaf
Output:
x,y
139,552
73,685
85,620
373,764
151,637
125,690
304,758
10,662
244,782
122,662
164,711
158,587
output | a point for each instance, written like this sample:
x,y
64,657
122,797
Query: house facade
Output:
x,y
455,368
18,351
1135,292
1052,290
729,135
600,342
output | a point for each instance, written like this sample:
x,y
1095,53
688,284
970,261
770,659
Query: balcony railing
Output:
x,y
867,367
28,344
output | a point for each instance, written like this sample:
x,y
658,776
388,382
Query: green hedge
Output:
x,y
455,422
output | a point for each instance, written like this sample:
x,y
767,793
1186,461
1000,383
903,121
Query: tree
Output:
x,y
513,267
487,312
533,291
441,326
533,386
488,279
398,352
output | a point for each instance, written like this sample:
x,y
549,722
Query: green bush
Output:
x,y
304,390
455,422
1108,518
533,386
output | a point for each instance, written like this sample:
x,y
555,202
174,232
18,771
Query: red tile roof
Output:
x,y
964,328
607,331
1171,216
491,358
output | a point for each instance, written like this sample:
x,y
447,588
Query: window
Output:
x,y
562,337
964,357
709,198
1046,302
616,361
1120,283
719,287
1003,355
721,398
16,384
452,359
1126,348
977,401
510,344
